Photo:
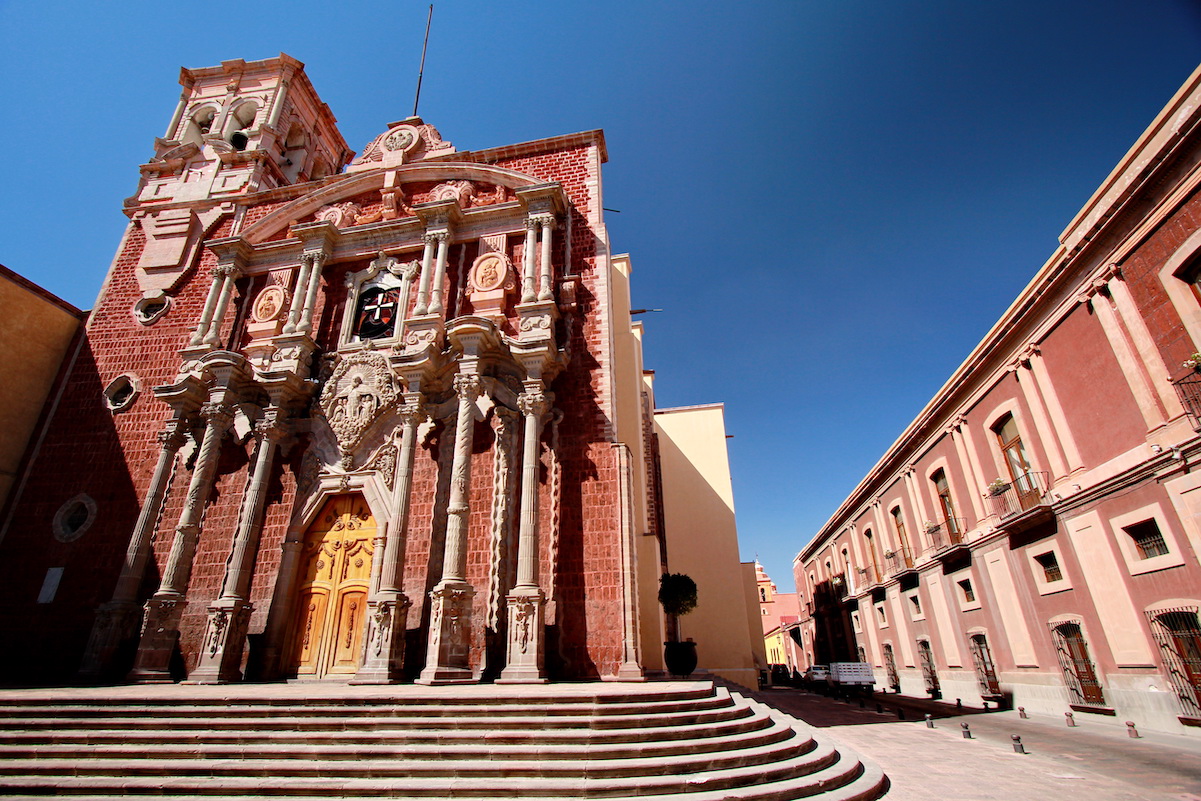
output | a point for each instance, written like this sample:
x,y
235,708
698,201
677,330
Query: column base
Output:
x,y
160,632
526,662
224,642
384,658
116,623
450,627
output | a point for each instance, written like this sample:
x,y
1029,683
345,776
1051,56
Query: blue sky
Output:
x,y
831,202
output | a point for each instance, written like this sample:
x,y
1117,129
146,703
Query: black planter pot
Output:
x,y
680,658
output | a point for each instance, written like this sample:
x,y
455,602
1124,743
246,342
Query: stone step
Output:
x,y
339,723
683,743
815,777
368,747
29,712
397,737
409,766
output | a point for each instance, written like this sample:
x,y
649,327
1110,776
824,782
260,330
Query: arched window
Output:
x,y
871,549
946,504
1079,674
241,121
898,525
1178,634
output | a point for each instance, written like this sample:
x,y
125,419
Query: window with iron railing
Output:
x,y
1148,539
1177,632
1020,494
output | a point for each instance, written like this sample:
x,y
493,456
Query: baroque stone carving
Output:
x,y
458,191
340,214
491,271
269,304
385,463
361,388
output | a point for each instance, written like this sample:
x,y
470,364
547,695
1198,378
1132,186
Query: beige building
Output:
x,y
683,512
36,333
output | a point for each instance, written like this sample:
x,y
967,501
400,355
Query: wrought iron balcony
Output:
x,y
945,535
1022,504
1189,390
899,561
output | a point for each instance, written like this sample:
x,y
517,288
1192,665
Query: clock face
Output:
x,y
377,313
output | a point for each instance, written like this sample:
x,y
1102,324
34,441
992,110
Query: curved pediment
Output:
x,y
356,184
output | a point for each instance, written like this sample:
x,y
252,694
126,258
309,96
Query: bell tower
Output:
x,y
241,127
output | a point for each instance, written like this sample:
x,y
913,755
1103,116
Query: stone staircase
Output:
x,y
678,740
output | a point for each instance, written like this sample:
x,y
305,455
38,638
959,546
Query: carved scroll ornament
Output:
x,y
360,390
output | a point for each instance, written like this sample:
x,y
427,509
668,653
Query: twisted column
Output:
x,y
450,601
388,610
528,276
299,293
160,628
116,620
229,275
210,305
229,616
526,646
305,325
436,293
423,286
547,223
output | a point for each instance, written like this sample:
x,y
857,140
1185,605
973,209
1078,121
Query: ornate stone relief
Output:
x,y
458,191
385,464
404,142
361,389
341,215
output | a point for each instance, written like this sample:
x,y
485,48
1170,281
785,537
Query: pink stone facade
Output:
x,y
1032,538
300,326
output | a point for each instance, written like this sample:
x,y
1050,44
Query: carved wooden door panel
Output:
x,y
331,601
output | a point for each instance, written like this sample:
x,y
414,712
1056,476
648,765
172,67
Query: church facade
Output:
x,y
345,417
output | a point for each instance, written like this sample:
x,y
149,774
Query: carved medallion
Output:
x,y
458,191
402,137
489,272
361,389
269,304
340,214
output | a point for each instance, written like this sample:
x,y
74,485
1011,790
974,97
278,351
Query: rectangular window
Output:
x,y
916,604
881,616
969,595
1050,566
1147,538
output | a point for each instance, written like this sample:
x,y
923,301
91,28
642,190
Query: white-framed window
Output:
x,y
966,590
913,601
377,302
881,616
1047,568
1146,541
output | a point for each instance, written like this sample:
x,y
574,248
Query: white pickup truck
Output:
x,y
851,673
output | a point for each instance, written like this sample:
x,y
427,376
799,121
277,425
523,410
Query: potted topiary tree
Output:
x,y
677,596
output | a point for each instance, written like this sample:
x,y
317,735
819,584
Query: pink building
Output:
x,y
1033,536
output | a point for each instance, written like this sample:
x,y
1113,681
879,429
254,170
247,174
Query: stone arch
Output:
x,y
356,184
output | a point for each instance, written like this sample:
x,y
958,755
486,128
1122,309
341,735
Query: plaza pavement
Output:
x,y
1096,761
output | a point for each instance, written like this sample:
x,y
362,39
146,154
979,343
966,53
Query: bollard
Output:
x,y
900,713
1022,713
929,721
1018,748
1071,719
967,733
1130,730
880,709
959,705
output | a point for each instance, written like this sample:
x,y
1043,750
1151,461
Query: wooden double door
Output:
x,y
335,578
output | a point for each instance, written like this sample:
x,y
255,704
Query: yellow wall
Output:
x,y
702,538
35,333
631,384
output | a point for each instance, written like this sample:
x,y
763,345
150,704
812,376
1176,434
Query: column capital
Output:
x,y
172,436
436,237
230,271
216,413
272,426
468,385
412,408
542,220
534,402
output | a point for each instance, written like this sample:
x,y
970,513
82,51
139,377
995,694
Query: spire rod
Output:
x,y
421,69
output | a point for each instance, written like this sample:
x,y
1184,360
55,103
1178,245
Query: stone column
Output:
x,y
299,292
450,600
210,305
423,286
436,292
160,628
177,116
388,610
545,268
317,259
526,659
229,275
229,616
529,293
116,621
